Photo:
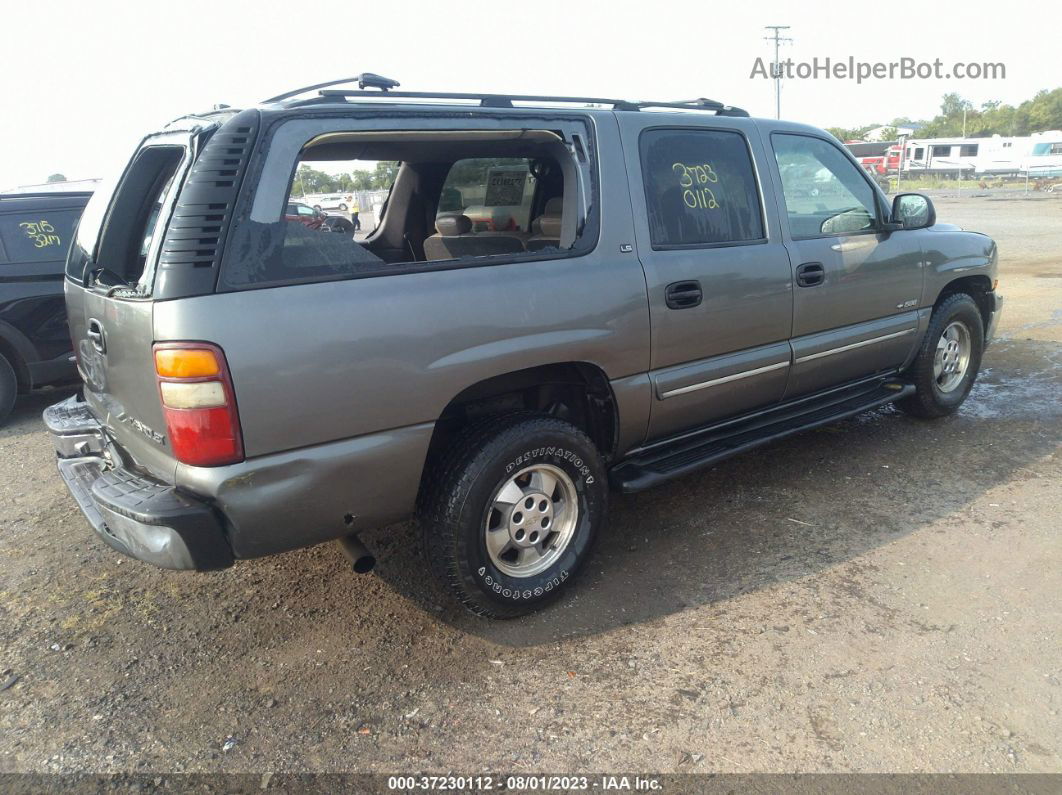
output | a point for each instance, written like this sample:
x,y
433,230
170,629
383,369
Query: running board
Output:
x,y
663,463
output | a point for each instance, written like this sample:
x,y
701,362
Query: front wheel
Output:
x,y
509,515
947,363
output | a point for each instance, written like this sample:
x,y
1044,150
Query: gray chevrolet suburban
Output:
x,y
559,296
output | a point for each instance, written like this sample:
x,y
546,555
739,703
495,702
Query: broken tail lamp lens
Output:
x,y
199,403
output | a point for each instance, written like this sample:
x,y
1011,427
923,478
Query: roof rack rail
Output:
x,y
507,100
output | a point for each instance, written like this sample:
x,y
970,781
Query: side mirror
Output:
x,y
913,211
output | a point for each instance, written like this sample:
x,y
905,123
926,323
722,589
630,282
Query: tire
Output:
x,y
343,208
940,392
8,388
479,539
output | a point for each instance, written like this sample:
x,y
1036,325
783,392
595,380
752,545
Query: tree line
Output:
x,y
310,180
1042,112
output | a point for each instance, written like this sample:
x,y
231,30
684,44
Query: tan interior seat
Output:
x,y
454,238
546,228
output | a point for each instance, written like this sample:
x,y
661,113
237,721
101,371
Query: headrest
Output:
x,y
452,225
549,225
554,206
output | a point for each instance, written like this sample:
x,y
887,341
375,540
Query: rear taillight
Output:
x,y
199,403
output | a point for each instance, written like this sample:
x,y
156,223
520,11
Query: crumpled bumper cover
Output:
x,y
134,514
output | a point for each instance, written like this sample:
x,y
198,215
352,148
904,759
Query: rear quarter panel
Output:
x,y
317,363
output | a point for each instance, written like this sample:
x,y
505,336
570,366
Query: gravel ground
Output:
x,y
880,595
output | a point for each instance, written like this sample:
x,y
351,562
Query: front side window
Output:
x,y
37,235
919,153
700,188
824,192
940,151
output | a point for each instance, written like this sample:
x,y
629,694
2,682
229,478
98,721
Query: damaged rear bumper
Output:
x,y
134,514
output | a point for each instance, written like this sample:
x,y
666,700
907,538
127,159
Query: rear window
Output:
x,y
37,235
118,228
700,189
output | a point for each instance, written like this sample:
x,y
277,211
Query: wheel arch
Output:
x,y
576,391
977,287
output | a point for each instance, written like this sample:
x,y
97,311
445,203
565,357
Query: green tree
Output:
x,y
1042,112
384,175
57,178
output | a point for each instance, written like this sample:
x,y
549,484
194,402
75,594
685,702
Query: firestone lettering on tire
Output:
x,y
517,594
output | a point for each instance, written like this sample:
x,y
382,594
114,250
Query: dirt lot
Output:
x,y
878,595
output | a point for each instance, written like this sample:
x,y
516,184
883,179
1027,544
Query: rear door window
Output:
x,y
700,188
38,235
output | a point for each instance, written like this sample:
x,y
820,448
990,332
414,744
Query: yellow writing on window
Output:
x,y
695,180
41,233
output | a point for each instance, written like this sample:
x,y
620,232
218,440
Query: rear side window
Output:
x,y
700,188
412,199
38,235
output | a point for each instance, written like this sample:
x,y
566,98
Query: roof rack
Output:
x,y
507,100
384,85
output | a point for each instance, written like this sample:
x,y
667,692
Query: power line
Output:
x,y
778,41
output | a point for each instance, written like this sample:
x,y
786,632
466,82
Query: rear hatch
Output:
x,y
111,290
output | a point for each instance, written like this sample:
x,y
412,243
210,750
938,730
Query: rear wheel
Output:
x,y
509,515
8,388
948,361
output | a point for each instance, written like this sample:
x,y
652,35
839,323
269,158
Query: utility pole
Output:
x,y
778,40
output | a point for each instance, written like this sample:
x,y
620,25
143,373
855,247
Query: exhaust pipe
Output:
x,y
360,558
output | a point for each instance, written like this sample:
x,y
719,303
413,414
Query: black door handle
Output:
x,y
683,295
810,273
